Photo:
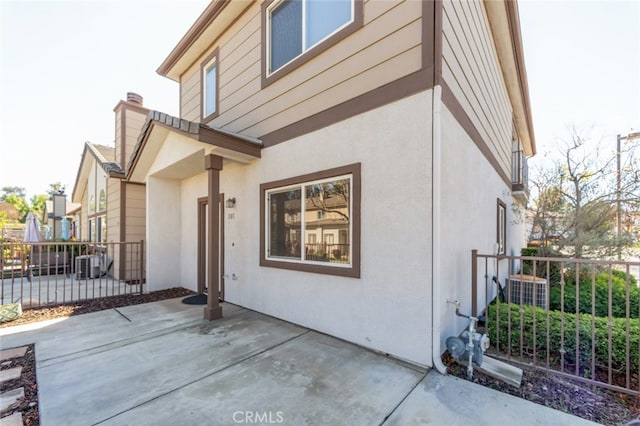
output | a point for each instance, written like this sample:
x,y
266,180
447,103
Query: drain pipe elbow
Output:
x,y
436,198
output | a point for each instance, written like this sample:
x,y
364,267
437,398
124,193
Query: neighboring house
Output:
x,y
112,209
55,208
396,122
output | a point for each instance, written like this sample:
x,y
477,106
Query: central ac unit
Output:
x,y
527,290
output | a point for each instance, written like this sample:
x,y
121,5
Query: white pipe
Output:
x,y
436,203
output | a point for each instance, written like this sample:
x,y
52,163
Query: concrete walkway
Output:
x,y
162,364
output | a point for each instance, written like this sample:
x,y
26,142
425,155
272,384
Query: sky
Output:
x,y
64,65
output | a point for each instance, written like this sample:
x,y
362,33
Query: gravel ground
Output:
x,y
588,402
592,403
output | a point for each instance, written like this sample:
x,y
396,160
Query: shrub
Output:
x,y
541,266
601,286
562,336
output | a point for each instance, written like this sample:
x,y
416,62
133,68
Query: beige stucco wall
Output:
x,y
469,210
393,145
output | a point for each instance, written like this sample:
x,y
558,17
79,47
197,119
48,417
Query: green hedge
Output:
x,y
524,326
541,266
618,294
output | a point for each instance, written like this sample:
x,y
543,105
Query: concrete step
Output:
x,y
14,419
9,398
12,353
10,374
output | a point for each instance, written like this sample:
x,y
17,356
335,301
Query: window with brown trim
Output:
x,y
501,235
312,222
294,31
209,87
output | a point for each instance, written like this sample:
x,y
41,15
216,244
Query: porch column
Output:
x,y
213,164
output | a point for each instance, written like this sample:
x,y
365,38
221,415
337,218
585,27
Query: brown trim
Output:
x,y
213,165
132,106
356,24
222,251
203,203
449,99
123,135
516,40
204,134
197,29
201,245
224,140
213,56
123,225
437,43
403,87
429,30
354,272
501,205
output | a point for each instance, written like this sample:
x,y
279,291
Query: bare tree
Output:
x,y
583,199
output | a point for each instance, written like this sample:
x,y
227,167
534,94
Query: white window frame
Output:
x,y
212,63
269,71
302,186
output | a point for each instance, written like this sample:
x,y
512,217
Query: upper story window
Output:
x,y
297,30
209,90
295,235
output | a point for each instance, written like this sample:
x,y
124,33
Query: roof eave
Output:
x,y
505,24
204,21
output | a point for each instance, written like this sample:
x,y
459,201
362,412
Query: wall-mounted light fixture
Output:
x,y
231,202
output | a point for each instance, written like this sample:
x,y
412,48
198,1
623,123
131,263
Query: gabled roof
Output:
x,y
101,154
199,37
159,125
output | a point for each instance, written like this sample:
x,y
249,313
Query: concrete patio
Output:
x,y
162,364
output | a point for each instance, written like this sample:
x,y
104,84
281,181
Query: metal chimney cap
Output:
x,y
134,98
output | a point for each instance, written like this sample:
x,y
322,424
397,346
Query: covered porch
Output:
x,y
181,163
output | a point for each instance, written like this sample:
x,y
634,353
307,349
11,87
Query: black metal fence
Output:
x,y
52,273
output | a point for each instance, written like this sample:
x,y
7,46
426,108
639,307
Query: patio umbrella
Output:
x,y
64,234
32,230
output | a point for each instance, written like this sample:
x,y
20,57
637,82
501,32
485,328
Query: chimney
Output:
x,y
134,98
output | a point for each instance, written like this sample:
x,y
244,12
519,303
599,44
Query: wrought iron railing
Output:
x,y
326,252
578,318
53,273
519,172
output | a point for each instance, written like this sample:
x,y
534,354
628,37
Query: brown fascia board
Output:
x,y
518,51
196,131
129,105
202,23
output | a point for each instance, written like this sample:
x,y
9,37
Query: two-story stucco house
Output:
x,y
356,152
112,209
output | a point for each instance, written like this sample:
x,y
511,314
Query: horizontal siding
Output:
x,y
134,122
135,228
189,95
118,142
385,49
113,210
471,70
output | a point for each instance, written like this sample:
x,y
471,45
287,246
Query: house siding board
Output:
x,y
133,124
472,71
190,99
341,92
113,209
118,135
246,107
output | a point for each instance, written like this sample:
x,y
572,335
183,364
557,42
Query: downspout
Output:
x,y
436,203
